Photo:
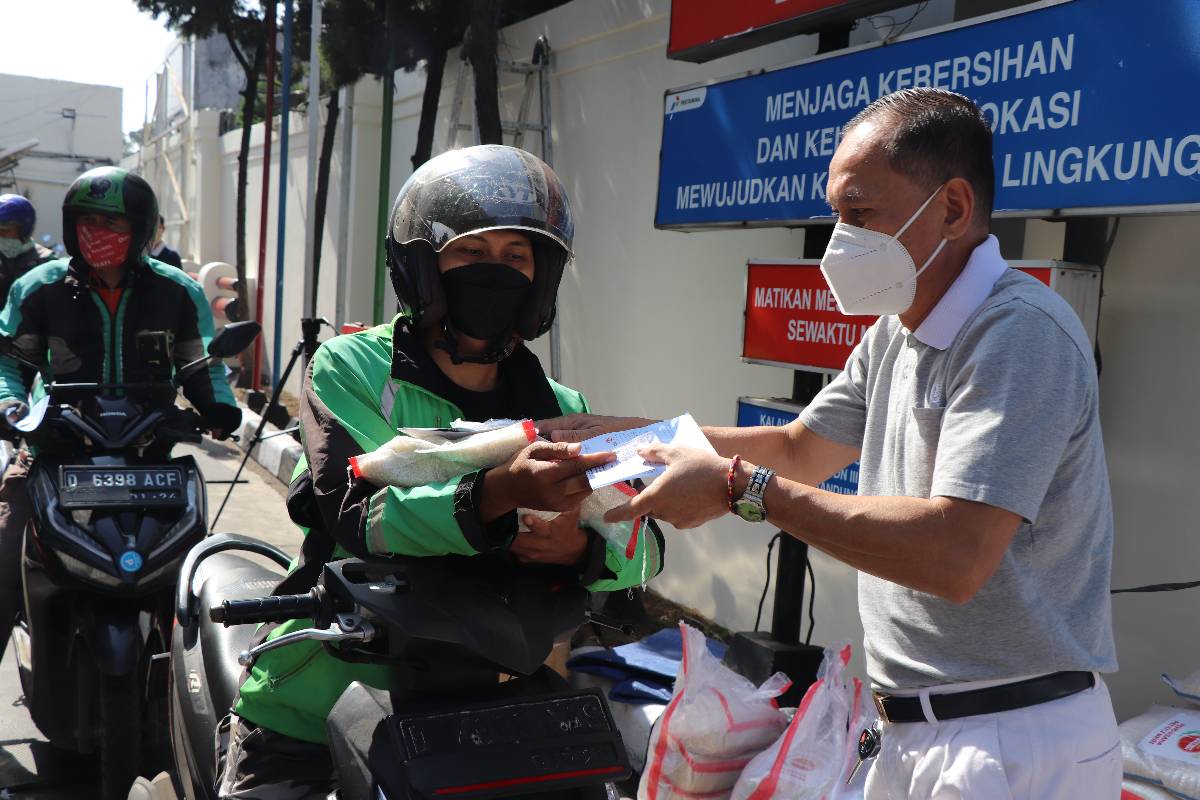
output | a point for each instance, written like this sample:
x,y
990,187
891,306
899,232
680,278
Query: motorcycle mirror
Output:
x,y
233,339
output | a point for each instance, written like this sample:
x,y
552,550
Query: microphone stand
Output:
x,y
310,328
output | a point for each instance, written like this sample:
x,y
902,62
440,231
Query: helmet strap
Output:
x,y
497,351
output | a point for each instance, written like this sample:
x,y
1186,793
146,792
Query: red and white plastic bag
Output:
x,y
810,760
716,722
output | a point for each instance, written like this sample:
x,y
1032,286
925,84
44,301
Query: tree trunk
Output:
x,y
483,36
249,98
334,111
435,69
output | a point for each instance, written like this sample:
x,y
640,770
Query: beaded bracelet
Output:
x,y
733,464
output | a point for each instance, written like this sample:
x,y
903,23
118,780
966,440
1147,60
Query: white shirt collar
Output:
x,y
965,295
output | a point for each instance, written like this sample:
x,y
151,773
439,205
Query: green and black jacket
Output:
x,y
54,318
358,390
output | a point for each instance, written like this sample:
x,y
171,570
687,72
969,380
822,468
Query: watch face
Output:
x,y
749,511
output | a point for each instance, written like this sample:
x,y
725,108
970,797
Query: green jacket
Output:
x,y
359,389
55,318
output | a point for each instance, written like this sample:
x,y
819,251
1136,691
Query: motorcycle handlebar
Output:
x,y
267,609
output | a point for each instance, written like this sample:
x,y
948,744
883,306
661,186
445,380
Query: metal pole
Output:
x,y
341,313
256,379
314,122
541,57
285,92
385,169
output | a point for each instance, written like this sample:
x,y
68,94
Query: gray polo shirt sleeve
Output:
x,y
839,411
1018,388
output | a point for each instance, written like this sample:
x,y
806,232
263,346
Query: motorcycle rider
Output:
x,y
159,249
477,244
79,317
19,253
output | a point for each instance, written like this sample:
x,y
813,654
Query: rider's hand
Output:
x,y
221,419
544,476
13,412
555,541
580,427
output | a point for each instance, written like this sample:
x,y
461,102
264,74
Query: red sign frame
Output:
x,y
702,30
792,320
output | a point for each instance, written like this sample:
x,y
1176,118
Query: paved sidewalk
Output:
x,y
256,508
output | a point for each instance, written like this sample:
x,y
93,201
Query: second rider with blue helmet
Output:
x,y
19,253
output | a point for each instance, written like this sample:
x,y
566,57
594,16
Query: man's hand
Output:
x,y
13,412
556,541
545,476
578,427
692,491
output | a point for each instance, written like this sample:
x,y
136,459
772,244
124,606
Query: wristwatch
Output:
x,y
750,505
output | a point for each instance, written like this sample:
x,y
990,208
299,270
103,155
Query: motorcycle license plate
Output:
x,y
530,744
105,487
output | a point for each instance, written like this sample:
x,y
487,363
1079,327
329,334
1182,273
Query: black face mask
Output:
x,y
483,299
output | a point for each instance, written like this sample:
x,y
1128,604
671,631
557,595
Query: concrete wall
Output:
x,y
651,319
32,108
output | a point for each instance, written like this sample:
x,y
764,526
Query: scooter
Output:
x,y
450,626
113,517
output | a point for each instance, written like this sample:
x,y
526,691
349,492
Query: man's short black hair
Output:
x,y
161,221
936,135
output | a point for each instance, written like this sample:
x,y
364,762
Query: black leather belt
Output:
x,y
992,700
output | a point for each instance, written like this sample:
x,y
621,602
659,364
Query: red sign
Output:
x,y
793,320
1043,274
702,30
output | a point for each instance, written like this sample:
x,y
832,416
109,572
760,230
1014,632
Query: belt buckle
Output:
x,y
879,708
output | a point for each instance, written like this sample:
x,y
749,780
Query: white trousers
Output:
x,y
1067,749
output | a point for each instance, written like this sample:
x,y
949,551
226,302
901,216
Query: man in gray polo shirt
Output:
x,y
983,527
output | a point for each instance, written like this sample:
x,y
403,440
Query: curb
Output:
x,y
278,455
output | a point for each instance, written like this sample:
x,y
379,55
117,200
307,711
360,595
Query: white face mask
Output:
x,y
11,248
871,272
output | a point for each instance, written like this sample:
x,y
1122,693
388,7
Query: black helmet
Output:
x,y
482,188
112,190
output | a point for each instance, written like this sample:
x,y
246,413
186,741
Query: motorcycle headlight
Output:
x,y
197,512
87,572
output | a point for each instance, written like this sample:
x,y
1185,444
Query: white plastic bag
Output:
x,y
409,460
810,757
1162,747
714,725
862,715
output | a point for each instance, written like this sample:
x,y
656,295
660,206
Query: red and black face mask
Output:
x,y
102,248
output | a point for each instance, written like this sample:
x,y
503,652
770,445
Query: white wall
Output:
x,y
1148,389
32,108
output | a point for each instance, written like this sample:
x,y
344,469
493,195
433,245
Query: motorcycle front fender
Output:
x,y
115,640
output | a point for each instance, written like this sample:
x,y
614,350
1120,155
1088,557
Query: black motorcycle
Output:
x,y
448,727
114,515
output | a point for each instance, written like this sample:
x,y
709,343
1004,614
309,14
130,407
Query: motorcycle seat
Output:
x,y
228,576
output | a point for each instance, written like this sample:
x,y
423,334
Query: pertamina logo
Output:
x,y
1189,742
685,101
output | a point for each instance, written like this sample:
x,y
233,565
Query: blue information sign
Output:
x,y
1091,102
752,411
